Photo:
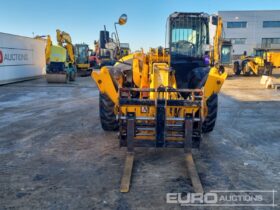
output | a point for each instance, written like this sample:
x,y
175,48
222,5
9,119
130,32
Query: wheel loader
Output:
x,y
261,63
166,97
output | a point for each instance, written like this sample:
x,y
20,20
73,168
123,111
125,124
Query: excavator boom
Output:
x,y
64,40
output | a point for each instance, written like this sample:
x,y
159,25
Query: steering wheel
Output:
x,y
183,44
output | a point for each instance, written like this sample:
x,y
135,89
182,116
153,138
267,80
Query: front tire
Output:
x,y
236,68
210,120
107,114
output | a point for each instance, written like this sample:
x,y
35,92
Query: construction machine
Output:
x,y
61,67
261,63
271,57
166,97
48,40
222,51
55,61
109,49
82,59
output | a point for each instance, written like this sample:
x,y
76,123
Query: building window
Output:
x,y
237,24
271,24
238,40
266,42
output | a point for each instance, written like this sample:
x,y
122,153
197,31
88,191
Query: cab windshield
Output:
x,y
189,36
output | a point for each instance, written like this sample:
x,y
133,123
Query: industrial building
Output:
x,y
252,29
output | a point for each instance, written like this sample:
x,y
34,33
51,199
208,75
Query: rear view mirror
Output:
x,y
123,19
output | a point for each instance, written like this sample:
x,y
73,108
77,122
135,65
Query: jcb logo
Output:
x,y
1,57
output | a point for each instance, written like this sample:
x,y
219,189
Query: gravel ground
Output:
x,y
54,154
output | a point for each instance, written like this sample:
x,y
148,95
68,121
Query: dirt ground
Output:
x,y
54,154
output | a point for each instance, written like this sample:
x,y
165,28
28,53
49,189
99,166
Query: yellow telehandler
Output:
x,y
166,97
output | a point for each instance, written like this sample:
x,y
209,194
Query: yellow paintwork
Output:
x,y
125,58
218,41
48,49
254,66
57,54
152,70
258,60
136,72
105,83
214,82
274,58
64,40
83,65
48,46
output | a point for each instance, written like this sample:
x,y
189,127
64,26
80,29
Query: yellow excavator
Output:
x,y
82,59
61,68
78,54
222,48
167,97
60,62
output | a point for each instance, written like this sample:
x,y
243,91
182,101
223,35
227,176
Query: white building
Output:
x,y
252,29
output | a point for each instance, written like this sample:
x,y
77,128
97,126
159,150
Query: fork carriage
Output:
x,y
166,119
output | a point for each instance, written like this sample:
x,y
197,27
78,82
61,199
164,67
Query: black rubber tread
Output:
x,y
268,68
236,68
106,113
209,123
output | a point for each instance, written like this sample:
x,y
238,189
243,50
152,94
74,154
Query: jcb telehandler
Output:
x,y
166,97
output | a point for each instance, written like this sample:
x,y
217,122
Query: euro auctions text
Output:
x,y
224,198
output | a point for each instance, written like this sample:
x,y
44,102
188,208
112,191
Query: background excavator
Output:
x,y
77,55
82,60
64,60
58,60
168,96
222,48
62,69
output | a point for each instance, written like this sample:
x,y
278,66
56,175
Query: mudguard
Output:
x,y
214,82
105,83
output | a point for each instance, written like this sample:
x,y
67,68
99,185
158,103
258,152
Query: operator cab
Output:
x,y
81,53
188,42
226,49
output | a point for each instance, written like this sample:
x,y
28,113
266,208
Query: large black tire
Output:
x,y
107,115
236,68
247,71
268,68
209,123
